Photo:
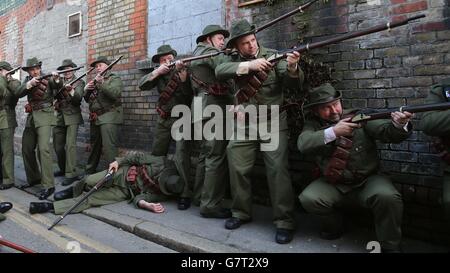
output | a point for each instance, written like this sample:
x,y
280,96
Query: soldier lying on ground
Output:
x,y
142,179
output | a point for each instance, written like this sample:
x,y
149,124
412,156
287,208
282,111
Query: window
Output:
x,y
50,4
74,24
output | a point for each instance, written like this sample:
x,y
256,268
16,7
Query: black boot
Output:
x,y
6,186
5,206
69,181
284,236
65,194
184,203
58,173
41,207
44,194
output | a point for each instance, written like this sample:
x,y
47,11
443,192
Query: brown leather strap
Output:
x,y
339,160
215,89
250,86
148,181
169,90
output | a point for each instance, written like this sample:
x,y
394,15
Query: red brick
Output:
x,y
410,7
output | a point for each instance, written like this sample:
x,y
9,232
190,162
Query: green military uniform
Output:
x,y
8,123
360,182
162,135
68,119
438,124
38,129
242,153
119,189
210,91
106,114
2,217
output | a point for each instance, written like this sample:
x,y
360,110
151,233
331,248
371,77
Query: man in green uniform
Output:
x,y
347,156
4,207
174,89
141,179
106,114
209,91
68,119
38,128
8,101
438,124
252,58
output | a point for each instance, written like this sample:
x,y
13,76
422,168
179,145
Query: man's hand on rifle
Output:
x,y
69,89
401,119
161,70
293,59
55,76
100,79
90,86
259,65
113,166
345,128
32,83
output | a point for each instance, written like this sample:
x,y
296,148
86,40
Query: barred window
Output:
x,y
74,22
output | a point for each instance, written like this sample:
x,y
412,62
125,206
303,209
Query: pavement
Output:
x,y
187,231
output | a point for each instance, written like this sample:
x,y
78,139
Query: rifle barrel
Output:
x,y
97,186
347,36
60,72
284,16
412,109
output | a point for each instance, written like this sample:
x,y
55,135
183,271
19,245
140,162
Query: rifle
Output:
x,y
373,114
228,51
253,82
59,72
301,9
15,246
12,72
103,73
97,186
74,81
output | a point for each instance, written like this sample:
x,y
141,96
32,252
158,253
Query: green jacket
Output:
x,y
204,70
363,156
109,94
8,102
45,116
437,123
182,95
154,165
71,113
271,92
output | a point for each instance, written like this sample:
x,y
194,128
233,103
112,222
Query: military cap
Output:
x,y
163,50
240,29
210,30
33,62
322,95
67,63
101,59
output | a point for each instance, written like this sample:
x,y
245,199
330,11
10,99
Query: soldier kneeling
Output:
x,y
142,179
347,156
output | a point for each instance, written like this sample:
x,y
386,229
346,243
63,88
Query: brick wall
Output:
x,y
381,70
119,28
180,22
29,29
